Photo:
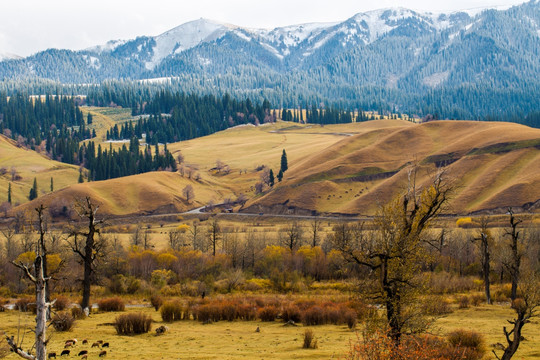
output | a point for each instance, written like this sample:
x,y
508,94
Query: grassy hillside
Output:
x,y
347,168
28,165
492,165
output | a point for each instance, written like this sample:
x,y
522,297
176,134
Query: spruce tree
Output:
x,y
9,193
271,179
284,165
52,184
89,119
81,179
33,191
280,175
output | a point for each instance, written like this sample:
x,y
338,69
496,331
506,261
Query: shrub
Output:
x,y
172,311
315,315
469,339
268,313
25,304
134,323
63,321
437,307
156,301
291,313
247,312
208,312
464,302
61,303
77,312
309,340
228,311
111,304
350,318
477,299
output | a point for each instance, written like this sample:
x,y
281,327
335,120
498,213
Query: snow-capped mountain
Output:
x,y
399,52
9,56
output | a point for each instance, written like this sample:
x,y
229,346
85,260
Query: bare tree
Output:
x,y
525,308
484,243
516,253
188,193
214,234
180,158
291,236
196,237
89,249
315,229
37,275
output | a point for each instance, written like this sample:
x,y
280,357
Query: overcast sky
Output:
x,y
29,26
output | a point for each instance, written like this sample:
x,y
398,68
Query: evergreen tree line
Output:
x,y
56,119
178,116
107,164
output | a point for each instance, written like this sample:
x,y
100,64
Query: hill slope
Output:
x,y
492,165
28,165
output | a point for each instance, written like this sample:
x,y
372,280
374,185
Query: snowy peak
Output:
x,y
9,56
186,36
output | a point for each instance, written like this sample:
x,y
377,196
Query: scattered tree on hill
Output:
x,y
271,178
52,184
394,251
188,193
33,191
81,178
280,175
9,194
516,253
284,164
180,158
484,242
89,119
89,249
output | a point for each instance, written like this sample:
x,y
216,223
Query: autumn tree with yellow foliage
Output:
x,y
395,250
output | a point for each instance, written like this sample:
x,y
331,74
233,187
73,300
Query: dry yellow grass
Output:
x,y
238,340
29,165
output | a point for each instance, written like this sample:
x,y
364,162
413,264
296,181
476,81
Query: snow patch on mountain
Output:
x,y
9,56
185,37
107,47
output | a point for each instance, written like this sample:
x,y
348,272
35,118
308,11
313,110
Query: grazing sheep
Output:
x,y
85,342
65,352
104,345
161,330
85,356
68,344
100,341
96,344
51,355
103,353
83,352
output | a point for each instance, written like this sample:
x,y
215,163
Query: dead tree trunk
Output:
x,y
514,264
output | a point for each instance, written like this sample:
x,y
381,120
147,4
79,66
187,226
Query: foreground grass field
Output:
x,y
239,339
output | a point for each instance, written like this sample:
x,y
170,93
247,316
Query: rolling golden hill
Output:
x,y
492,165
347,168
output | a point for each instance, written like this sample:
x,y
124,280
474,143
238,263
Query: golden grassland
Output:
x,y
239,340
29,165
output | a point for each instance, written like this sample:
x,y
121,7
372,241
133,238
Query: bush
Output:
x,y
62,321
156,301
464,302
268,313
61,303
246,312
315,315
172,311
111,304
477,299
25,304
437,307
134,323
351,318
291,313
469,339
309,340
77,312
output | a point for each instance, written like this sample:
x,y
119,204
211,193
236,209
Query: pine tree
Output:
x,y
280,175
271,179
81,179
89,119
284,165
33,191
52,184
9,193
